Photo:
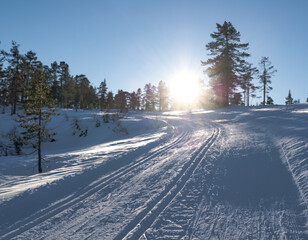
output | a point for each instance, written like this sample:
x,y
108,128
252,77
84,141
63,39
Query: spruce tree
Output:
x,y
266,72
227,54
38,112
269,101
102,92
289,99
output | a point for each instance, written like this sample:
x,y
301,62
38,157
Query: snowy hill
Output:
x,y
236,173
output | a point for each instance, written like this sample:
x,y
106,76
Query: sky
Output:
x,y
131,43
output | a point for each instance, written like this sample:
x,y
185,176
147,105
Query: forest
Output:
x,y
231,81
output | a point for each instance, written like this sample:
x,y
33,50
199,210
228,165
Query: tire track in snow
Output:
x,y
93,188
136,228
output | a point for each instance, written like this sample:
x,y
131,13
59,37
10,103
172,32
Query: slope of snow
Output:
x,y
237,173
71,154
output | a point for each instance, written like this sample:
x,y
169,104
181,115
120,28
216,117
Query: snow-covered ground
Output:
x,y
237,173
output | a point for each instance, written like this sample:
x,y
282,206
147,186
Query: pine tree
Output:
x,y
64,77
139,98
266,73
29,66
162,96
38,111
3,83
289,99
269,101
55,83
68,93
227,56
110,101
246,77
149,97
120,100
15,76
83,91
236,99
102,92
133,100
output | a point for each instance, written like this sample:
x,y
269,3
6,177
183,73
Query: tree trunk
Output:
x,y
39,144
264,91
248,92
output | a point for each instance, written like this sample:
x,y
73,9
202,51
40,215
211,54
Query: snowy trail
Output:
x,y
99,185
102,184
214,176
144,219
231,199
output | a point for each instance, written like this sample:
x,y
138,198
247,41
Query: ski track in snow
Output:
x,y
201,211
99,185
217,176
145,218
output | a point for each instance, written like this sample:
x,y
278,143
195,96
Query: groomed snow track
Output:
x,y
144,219
100,185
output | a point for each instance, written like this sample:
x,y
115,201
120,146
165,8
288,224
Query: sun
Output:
x,y
184,87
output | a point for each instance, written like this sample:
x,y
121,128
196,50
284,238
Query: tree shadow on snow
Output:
x,y
248,179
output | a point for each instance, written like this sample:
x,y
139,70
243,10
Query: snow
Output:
x,y
235,173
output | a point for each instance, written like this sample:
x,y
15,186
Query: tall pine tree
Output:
x,y
246,77
15,76
3,83
120,101
38,111
110,100
227,54
139,98
102,95
266,72
162,96
150,93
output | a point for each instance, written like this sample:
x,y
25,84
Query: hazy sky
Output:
x,y
131,43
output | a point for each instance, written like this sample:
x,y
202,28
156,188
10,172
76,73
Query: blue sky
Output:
x,y
131,43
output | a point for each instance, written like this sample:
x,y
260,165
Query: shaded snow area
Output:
x,y
236,173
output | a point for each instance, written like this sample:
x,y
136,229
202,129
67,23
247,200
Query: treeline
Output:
x,y
232,81
17,73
